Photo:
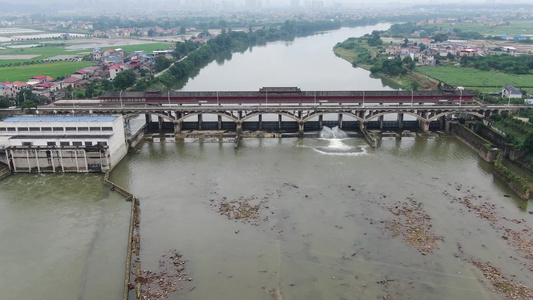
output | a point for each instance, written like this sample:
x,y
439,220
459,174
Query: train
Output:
x,y
274,95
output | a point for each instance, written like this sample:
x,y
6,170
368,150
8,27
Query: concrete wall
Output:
x,y
482,146
500,141
117,143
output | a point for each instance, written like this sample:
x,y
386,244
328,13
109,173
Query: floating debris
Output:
x,y
241,209
511,289
484,209
158,286
522,239
414,224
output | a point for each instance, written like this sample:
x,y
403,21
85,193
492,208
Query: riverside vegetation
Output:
x,y
482,73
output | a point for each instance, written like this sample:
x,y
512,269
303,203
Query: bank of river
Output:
x,y
406,81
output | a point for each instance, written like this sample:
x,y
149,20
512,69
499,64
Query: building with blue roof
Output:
x,y
62,143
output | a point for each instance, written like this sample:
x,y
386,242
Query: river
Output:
x,y
324,206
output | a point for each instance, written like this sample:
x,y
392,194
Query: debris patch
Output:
x,y
241,209
511,289
413,223
159,285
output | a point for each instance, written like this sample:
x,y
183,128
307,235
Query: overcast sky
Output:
x,y
47,6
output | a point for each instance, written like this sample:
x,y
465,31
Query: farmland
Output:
x,y
477,79
50,50
146,47
58,69
514,27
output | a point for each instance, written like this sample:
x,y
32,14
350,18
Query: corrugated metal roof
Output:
x,y
61,119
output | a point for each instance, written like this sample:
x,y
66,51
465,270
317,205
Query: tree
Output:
x,y
4,102
106,85
414,85
161,63
441,37
28,104
464,61
24,95
124,80
422,46
375,39
450,56
409,63
89,90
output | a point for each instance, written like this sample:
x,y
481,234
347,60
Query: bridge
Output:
x,y
300,114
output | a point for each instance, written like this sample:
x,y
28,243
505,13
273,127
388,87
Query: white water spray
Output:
x,y
333,133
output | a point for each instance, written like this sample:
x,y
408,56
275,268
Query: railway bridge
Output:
x,y
300,114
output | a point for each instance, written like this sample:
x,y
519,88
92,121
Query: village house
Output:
x,y
115,69
509,91
97,53
39,79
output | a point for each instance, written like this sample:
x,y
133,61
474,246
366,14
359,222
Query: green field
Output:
x,y
146,47
50,51
43,52
514,27
23,73
469,77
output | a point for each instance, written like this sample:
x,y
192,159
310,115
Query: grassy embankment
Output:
x,y
402,81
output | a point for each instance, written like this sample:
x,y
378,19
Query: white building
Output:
x,y
115,69
509,91
62,144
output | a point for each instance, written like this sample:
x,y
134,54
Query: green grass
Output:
x,y
23,73
469,77
50,51
146,47
514,27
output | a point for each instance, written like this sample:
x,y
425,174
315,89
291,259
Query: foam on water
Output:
x,y
336,136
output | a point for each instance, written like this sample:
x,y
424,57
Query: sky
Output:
x,y
45,6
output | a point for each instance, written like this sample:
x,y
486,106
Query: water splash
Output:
x,y
333,133
336,146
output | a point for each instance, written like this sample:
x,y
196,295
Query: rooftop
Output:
x,y
61,119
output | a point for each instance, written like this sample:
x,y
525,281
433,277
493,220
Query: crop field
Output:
x,y
54,50
146,47
42,52
469,77
514,27
23,73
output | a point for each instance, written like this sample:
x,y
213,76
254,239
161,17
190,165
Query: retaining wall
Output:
x,y
133,240
482,146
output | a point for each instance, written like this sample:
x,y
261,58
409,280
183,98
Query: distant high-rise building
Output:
x,y
295,3
251,4
314,4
